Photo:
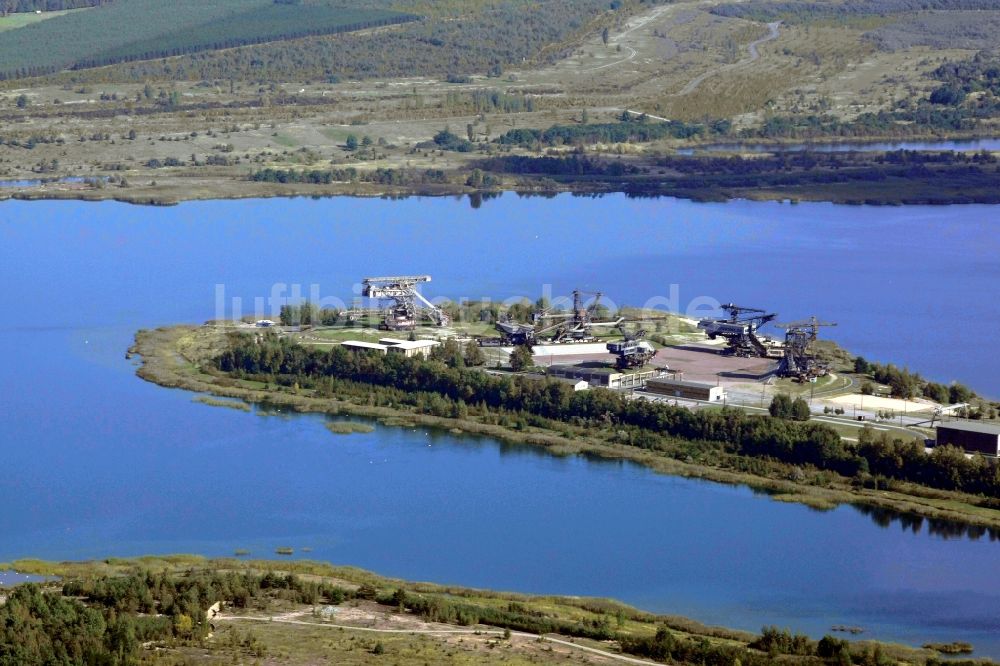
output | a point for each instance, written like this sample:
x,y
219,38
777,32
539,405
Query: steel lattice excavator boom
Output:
x,y
739,330
576,325
514,333
799,361
407,303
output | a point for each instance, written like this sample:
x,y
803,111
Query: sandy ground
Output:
x,y
871,402
696,363
369,616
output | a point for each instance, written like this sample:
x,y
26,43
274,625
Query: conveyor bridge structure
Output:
x,y
405,302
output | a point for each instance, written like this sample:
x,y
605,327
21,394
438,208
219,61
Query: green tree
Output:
x,y
521,359
862,366
351,143
780,407
21,101
800,410
959,393
473,355
183,625
450,353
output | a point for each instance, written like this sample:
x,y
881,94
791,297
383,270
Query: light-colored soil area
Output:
x,y
874,402
371,619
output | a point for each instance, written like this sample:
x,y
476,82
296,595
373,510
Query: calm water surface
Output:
x,y
96,462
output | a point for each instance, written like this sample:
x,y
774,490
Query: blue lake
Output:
x,y
96,462
11,578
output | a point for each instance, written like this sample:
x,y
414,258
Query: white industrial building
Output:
x,y
407,348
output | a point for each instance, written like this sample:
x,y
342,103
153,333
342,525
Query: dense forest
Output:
x,y
384,176
631,129
143,29
106,620
568,165
453,390
484,38
980,74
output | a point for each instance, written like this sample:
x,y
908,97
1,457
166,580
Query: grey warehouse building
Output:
x,y
973,437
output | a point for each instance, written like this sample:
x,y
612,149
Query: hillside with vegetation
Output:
x,y
256,97
456,39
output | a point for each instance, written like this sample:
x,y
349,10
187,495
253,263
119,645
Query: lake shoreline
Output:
x,y
862,181
171,357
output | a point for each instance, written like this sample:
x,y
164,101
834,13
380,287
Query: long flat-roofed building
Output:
x,y
971,436
678,388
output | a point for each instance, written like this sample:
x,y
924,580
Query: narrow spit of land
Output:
x,y
180,357
229,610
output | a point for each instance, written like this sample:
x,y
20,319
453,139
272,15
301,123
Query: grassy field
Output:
x,y
216,402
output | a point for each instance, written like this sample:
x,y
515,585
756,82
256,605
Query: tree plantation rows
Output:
x,y
12,6
484,38
145,29
457,391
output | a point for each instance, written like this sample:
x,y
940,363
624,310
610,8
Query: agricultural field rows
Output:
x,y
147,29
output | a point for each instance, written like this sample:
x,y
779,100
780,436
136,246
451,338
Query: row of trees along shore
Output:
x,y
730,436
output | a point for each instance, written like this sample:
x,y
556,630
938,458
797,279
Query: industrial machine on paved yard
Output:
x,y
573,326
799,360
740,330
631,351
